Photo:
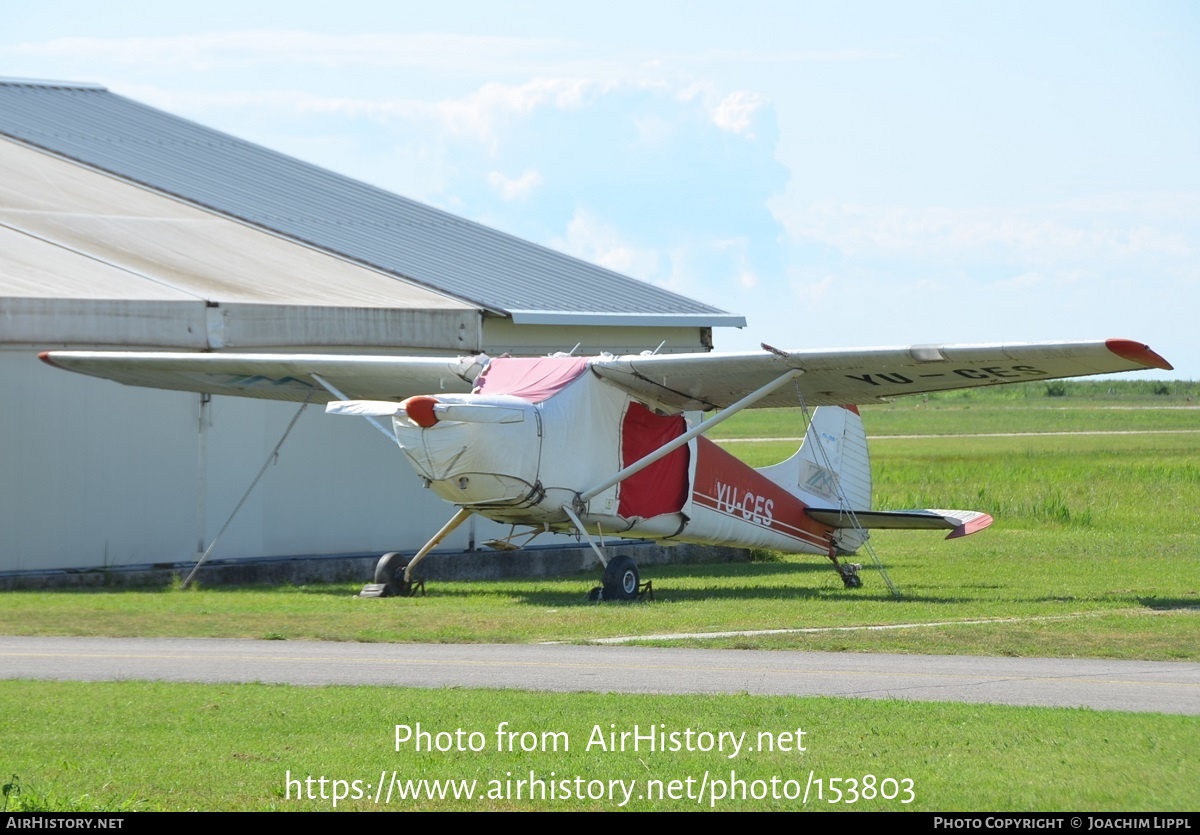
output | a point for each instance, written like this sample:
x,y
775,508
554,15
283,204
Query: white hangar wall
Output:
x,y
88,478
94,474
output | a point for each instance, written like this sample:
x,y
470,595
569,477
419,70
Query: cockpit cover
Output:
x,y
533,378
663,486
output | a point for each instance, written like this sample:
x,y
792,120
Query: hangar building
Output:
x,y
124,227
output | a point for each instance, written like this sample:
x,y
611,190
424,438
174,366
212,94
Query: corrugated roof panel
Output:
x,y
367,224
177,245
86,258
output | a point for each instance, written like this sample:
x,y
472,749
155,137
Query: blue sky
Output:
x,y
841,173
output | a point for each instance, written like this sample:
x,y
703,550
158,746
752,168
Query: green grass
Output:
x,y
131,745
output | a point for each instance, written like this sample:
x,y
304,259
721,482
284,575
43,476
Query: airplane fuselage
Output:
x,y
528,469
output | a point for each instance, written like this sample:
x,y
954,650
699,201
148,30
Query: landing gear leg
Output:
x,y
621,580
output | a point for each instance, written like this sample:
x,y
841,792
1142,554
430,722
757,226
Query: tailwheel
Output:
x,y
849,572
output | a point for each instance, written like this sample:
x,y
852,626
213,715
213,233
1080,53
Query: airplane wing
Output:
x,y
863,375
277,376
682,381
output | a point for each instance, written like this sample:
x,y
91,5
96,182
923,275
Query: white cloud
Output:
x,y
479,114
732,261
224,50
747,278
653,130
446,52
1023,281
1040,233
808,292
732,112
774,58
735,112
515,189
591,239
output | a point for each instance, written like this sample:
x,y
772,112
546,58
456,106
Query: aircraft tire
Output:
x,y
390,572
621,579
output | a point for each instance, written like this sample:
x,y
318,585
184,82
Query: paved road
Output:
x,y
1144,686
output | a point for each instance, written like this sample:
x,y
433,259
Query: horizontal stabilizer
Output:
x,y
959,522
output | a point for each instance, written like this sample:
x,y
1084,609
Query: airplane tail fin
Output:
x,y
831,473
832,468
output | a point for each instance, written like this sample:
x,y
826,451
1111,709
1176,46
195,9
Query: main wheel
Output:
x,y
621,579
390,572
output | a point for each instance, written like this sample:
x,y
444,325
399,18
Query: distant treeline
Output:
x,y
1121,390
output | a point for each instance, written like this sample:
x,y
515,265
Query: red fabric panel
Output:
x,y
533,378
661,487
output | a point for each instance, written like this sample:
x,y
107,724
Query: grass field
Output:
x,y
1095,552
1105,406
135,745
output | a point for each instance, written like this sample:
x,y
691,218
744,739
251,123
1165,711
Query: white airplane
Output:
x,y
603,446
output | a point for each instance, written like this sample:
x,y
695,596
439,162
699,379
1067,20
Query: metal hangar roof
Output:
x,y
87,258
426,246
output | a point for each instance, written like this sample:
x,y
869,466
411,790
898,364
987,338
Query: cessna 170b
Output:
x,y
604,445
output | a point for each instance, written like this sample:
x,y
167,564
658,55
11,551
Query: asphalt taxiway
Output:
x,y
1136,686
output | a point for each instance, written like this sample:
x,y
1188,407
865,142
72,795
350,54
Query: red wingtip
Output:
x,y
975,525
1137,352
44,356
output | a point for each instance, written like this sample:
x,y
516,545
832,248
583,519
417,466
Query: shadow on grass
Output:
x,y
511,586
800,581
1169,603
666,593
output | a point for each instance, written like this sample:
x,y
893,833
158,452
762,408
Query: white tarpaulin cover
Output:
x,y
571,440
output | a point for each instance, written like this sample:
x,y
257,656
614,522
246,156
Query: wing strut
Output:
x,y
332,389
250,489
699,429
